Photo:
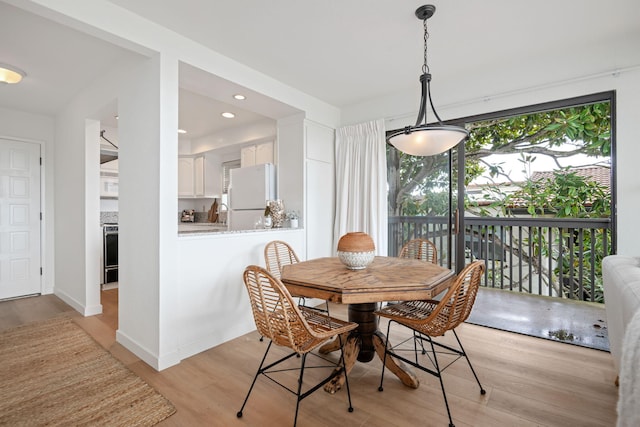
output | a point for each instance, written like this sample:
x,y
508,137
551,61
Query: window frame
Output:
x,y
607,96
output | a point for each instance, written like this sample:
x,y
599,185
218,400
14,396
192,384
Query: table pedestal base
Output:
x,y
362,344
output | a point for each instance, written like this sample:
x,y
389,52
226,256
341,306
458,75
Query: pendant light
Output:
x,y
427,139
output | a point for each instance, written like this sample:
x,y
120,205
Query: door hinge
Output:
x,y
41,271
40,161
40,216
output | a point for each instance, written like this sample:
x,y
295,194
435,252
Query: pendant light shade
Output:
x,y
427,139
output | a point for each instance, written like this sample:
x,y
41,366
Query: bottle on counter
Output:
x,y
267,217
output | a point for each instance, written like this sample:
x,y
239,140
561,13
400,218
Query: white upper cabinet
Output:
x,y
248,156
256,154
199,176
264,153
185,176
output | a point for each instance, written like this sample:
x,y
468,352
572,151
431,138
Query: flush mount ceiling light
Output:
x,y
10,74
424,139
182,131
239,97
228,115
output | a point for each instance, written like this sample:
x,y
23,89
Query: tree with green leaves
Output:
x,y
557,134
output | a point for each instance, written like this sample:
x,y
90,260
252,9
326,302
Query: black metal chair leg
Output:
x,y
384,359
239,414
482,390
421,344
444,394
304,359
344,369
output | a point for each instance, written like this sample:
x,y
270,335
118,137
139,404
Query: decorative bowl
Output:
x,y
356,250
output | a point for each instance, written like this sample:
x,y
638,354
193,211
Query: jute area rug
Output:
x,y
53,373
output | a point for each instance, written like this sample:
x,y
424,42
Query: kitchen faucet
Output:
x,y
225,215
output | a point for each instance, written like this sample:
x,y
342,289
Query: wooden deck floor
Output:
x,y
529,381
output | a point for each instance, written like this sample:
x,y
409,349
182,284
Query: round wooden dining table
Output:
x,y
385,279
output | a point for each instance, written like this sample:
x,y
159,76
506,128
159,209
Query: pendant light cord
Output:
x,y
427,77
425,66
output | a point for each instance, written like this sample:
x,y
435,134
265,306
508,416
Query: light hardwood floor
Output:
x,y
529,381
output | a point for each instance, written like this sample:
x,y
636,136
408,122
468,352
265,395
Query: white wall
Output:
x,y
319,189
74,241
502,95
289,150
93,237
212,300
148,204
39,129
77,192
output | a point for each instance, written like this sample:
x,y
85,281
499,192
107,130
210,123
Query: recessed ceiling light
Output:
x,y
10,74
228,115
182,131
117,117
239,97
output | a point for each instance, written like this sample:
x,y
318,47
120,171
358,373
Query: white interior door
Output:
x,y
19,219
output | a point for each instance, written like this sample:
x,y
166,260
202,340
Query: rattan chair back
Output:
x,y
457,303
421,249
434,318
277,254
279,318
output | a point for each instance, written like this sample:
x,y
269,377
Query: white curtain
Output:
x,y
361,182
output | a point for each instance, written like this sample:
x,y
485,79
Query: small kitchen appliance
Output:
x,y
188,215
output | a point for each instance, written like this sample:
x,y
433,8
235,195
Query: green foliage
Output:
x,y
585,129
566,195
418,186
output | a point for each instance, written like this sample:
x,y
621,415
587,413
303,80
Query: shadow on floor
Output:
x,y
573,322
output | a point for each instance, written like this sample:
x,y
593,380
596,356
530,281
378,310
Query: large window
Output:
x,y
226,173
552,161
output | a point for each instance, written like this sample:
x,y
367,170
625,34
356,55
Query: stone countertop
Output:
x,y
210,228
196,227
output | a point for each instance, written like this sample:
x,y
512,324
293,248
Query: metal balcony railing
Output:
x,y
557,257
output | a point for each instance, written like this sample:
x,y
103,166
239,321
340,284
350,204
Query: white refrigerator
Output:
x,y
249,190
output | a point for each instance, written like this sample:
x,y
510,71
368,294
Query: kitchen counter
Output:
x,y
210,228
201,227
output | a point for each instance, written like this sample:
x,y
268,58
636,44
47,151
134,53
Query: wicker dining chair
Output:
x,y
429,319
277,254
422,249
286,324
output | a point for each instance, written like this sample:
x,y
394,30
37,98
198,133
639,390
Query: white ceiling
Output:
x,y
60,62
347,52
342,52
